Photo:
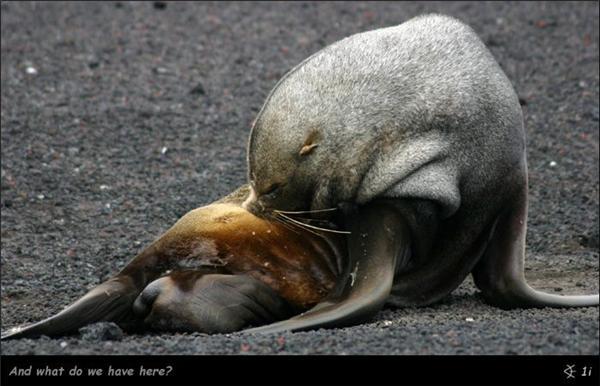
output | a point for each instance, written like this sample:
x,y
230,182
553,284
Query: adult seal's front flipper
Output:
x,y
379,239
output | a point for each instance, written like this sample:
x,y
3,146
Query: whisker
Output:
x,y
314,227
318,220
291,225
306,211
285,224
306,220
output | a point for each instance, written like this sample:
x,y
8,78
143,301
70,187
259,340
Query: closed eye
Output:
x,y
271,189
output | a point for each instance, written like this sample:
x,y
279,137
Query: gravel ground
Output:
x,y
117,118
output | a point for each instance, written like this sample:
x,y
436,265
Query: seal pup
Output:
x,y
217,270
415,135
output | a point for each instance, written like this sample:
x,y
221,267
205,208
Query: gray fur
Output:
x,y
388,102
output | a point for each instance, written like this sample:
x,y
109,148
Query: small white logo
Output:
x,y
569,371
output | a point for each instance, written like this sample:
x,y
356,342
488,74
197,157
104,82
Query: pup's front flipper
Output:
x,y
209,303
379,238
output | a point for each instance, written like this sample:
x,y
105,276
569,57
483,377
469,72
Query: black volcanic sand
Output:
x,y
118,118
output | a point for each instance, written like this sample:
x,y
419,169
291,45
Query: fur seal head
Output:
x,y
284,178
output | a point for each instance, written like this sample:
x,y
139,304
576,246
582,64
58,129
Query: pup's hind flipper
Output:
x,y
110,301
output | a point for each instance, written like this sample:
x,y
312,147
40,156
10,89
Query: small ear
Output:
x,y
308,148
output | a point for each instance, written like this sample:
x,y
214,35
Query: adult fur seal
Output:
x,y
218,269
415,135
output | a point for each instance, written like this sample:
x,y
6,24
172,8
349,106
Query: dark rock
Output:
x,y
198,90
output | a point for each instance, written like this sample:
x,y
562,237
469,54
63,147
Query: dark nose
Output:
x,y
256,208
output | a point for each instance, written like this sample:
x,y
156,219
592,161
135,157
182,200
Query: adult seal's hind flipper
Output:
x,y
500,272
109,301
378,243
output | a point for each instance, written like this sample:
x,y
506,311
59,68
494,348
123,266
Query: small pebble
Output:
x,y
41,196
552,164
101,331
63,344
163,150
469,319
31,70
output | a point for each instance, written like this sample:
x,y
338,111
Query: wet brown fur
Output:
x,y
293,263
